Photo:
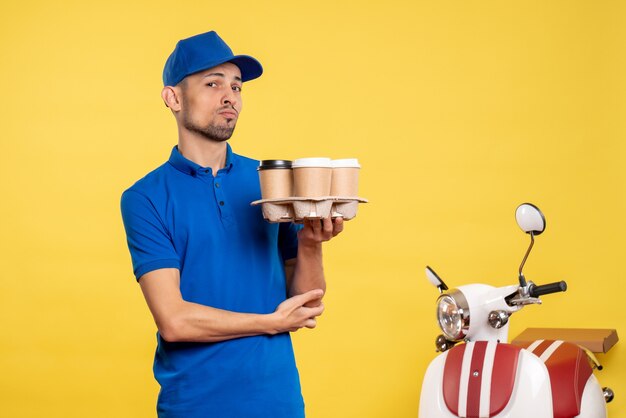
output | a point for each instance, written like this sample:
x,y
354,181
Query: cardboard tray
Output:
x,y
596,340
296,209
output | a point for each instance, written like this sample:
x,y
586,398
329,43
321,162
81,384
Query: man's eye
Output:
x,y
212,84
237,88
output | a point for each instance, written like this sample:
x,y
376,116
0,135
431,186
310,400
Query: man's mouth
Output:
x,y
228,113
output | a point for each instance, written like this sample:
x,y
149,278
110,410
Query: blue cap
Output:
x,y
202,52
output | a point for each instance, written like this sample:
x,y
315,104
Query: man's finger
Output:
x,y
337,226
315,311
327,224
315,225
308,296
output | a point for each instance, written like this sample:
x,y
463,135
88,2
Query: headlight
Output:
x,y
453,315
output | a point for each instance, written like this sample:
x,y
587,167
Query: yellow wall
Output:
x,y
457,110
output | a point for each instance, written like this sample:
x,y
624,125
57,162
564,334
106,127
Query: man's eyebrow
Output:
x,y
220,75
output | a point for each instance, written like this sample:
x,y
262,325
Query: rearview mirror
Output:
x,y
530,219
435,279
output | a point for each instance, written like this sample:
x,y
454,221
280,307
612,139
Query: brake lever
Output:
x,y
523,297
524,300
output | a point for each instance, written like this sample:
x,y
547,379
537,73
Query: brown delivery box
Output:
x,y
596,340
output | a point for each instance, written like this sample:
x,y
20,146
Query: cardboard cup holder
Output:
x,y
297,209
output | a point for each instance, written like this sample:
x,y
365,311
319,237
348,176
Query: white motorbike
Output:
x,y
485,376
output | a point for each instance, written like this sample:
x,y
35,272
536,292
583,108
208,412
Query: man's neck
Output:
x,y
203,152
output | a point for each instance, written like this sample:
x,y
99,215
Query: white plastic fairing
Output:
x,y
530,218
481,300
592,404
432,403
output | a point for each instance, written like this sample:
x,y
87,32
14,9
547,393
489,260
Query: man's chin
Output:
x,y
215,134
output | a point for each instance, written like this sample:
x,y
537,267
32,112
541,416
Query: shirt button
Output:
x,y
217,185
206,171
221,203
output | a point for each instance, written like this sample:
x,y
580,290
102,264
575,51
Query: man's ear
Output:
x,y
171,98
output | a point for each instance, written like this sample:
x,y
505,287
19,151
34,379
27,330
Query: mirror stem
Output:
x,y
522,279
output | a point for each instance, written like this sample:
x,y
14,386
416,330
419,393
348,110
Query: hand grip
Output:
x,y
536,291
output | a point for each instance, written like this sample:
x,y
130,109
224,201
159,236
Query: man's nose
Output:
x,y
229,97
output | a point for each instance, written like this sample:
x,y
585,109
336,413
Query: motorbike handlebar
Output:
x,y
536,291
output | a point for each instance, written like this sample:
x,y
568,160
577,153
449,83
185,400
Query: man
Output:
x,y
225,287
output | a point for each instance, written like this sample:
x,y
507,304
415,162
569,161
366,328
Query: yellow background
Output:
x,y
457,110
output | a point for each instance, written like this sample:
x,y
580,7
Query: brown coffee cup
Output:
x,y
345,179
312,177
276,179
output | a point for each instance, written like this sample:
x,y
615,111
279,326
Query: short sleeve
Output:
x,y
149,242
288,240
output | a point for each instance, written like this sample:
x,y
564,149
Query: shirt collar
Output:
x,y
189,167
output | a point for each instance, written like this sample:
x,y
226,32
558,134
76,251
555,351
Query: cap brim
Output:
x,y
250,68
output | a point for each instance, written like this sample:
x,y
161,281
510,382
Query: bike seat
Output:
x,y
569,371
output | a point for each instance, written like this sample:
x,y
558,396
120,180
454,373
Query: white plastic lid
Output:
x,y
345,163
311,162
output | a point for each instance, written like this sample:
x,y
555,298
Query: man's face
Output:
x,y
211,101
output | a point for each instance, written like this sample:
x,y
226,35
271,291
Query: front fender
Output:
x,y
531,394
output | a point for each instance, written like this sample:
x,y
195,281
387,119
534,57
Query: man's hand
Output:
x,y
317,231
291,315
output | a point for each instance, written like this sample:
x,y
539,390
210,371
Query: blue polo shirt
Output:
x,y
183,216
